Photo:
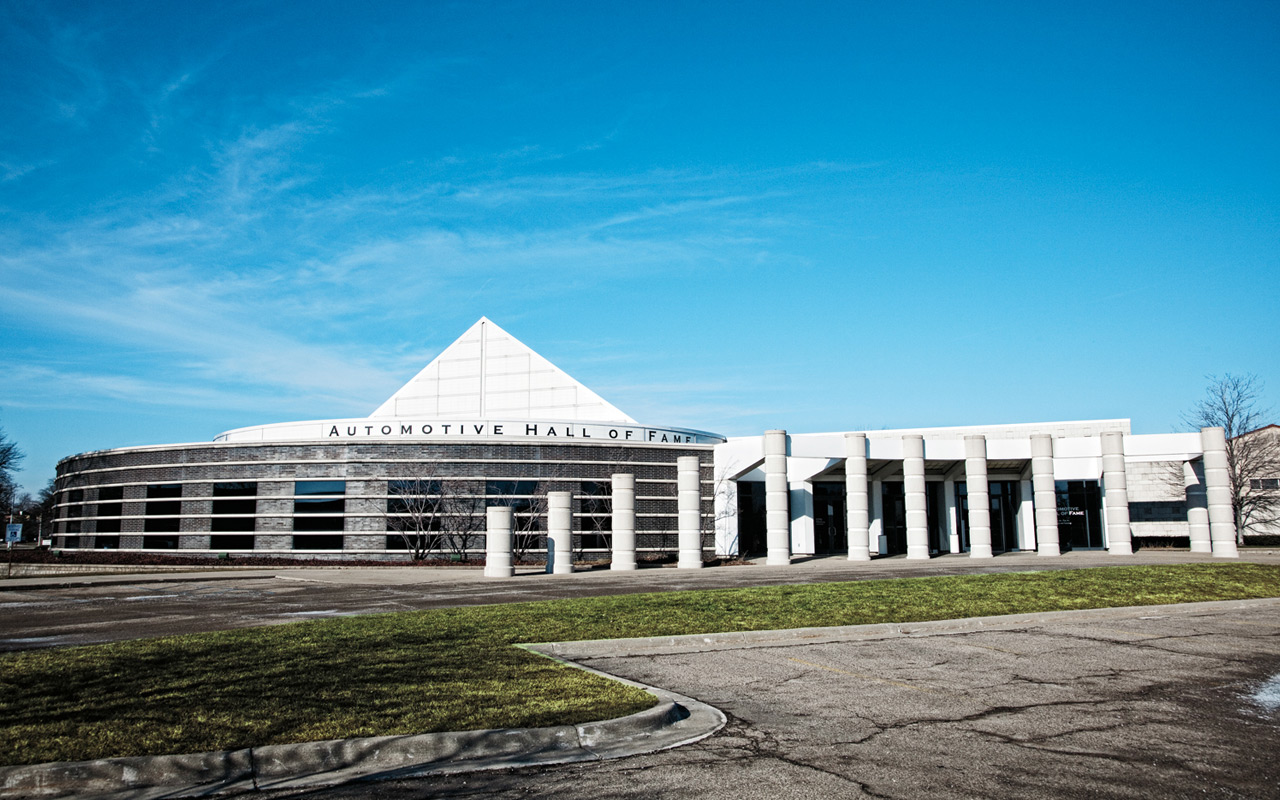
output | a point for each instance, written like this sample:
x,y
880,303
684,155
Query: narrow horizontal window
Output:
x,y
317,542
159,508
235,489
235,506
232,523
313,505
231,542
317,523
319,487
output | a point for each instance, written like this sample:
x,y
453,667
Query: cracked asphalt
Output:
x,y
1136,706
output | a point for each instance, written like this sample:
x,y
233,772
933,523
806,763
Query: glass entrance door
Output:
x,y
1080,514
894,505
829,519
1005,498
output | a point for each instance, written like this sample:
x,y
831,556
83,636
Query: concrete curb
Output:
x,y
111,579
674,721
671,645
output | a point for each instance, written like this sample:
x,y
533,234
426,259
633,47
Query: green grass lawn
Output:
x,y
456,669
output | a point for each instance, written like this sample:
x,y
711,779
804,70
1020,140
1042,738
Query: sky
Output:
x,y
726,216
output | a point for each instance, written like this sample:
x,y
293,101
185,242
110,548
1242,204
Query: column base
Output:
x,y
1225,550
689,561
1201,547
918,553
1121,549
1050,550
499,572
565,569
623,566
980,551
859,554
778,560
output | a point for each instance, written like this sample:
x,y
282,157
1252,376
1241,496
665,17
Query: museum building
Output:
x,y
489,422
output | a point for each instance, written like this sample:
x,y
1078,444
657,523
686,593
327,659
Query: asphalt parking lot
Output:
x,y
1137,706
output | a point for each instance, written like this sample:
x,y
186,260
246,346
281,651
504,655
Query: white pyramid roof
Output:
x,y
490,374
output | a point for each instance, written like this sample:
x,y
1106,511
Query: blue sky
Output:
x,y
726,216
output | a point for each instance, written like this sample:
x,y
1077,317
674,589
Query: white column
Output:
x,y
855,492
876,529
1114,486
776,514
953,514
1026,517
497,543
1197,510
689,505
913,492
1046,495
975,478
1217,487
624,521
559,533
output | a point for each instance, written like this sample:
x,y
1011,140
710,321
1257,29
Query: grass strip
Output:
x,y
455,669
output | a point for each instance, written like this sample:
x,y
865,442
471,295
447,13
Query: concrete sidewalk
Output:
x,y
802,570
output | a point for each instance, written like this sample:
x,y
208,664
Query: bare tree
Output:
x,y
10,458
1232,402
414,511
434,515
464,516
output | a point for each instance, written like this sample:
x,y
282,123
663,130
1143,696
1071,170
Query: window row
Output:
x,y
333,541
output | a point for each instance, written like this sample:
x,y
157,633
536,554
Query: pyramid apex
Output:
x,y
489,374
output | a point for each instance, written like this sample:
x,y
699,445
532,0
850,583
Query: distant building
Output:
x,y
494,423
1262,481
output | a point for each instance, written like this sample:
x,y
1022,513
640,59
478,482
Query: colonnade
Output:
x,y
1209,519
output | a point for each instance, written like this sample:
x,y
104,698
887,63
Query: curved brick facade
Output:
x,y
336,498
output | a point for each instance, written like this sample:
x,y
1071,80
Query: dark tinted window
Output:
x,y
232,523
319,487
106,542
75,496
161,525
160,542
231,542
110,509
163,507
317,542
108,526
509,488
235,506
235,489
317,523
111,493
334,505
164,490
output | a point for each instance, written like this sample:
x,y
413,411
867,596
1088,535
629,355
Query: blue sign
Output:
x,y
13,532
